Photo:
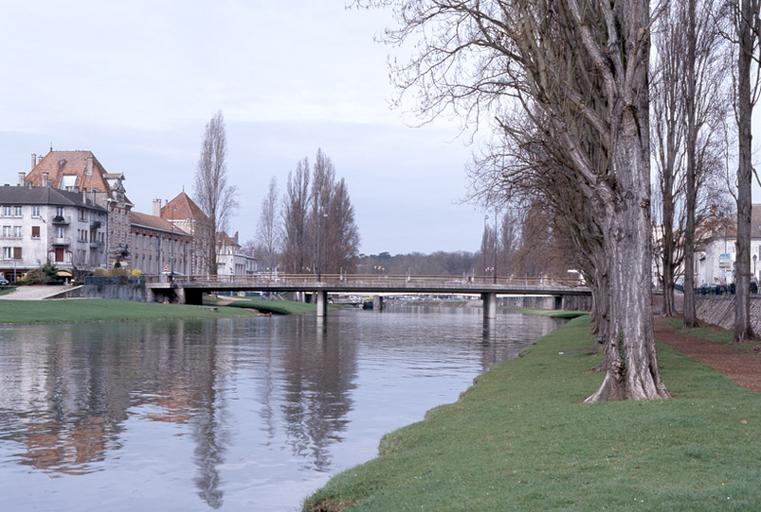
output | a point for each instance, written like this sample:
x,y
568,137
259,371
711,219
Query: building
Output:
x,y
40,224
185,214
80,171
715,248
231,260
159,246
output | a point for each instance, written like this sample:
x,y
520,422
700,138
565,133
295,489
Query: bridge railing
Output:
x,y
381,280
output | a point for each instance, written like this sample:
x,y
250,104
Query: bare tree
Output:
x,y
323,184
342,234
572,67
747,22
268,232
212,192
295,211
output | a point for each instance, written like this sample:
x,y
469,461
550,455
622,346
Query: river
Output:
x,y
231,415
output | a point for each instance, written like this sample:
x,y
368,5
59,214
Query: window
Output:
x,y
35,211
6,231
82,214
7,253
59,232
17,253
17,211
59,211
35,232
17,232
7,211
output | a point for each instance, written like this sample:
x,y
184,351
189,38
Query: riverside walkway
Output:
x,y
190,289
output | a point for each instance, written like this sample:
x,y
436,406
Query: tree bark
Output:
x,y
690,318
743,329
632,371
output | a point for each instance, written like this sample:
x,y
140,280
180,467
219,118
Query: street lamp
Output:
x,y
320,215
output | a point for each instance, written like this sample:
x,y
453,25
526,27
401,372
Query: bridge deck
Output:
x,y
370,284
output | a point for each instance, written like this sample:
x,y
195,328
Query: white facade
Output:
x,y
231,260
39,225
714,264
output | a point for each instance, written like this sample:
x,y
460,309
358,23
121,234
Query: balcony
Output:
x,y
11,237
95,244
95,224
61,220
61,241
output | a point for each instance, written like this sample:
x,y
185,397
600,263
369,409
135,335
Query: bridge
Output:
x,y
190,289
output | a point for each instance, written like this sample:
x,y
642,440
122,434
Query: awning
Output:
x,y
63,273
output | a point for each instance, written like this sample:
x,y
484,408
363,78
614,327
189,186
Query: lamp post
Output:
x,y
494,268
171,247
320,215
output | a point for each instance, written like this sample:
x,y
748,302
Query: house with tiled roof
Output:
x,y
40,224
158,246
185,214
80,171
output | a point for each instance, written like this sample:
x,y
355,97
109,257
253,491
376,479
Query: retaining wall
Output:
x,y
721,311
129,291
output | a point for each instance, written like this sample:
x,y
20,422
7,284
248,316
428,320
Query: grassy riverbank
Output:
x,y
553,313
79,310
520,439
277,307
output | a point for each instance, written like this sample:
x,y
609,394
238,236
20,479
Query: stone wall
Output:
x,y
720,311
129,291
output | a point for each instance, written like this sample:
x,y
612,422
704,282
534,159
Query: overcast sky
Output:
x,y
136,81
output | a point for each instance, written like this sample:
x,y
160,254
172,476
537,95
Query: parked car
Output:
x,y
4,281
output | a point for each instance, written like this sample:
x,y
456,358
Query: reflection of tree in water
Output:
x,y
66,400
319,372
209,418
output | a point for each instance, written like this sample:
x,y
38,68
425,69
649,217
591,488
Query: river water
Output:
x,y
232,415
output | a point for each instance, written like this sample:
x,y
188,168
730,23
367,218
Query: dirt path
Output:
x,y
741,366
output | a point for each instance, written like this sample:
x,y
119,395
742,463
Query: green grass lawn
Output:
x,y
520,439
277,307
77,310
553,313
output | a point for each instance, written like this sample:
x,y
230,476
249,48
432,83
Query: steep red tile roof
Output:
x,y
183,207
60,163
144,220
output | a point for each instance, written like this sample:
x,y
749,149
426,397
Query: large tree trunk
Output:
x,y
690,318
632,366
744,176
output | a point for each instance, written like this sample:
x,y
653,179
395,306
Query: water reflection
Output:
x,y
247,412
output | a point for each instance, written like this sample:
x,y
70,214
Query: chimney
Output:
x,y
236,238
157,207
45,179
39,158
34,160
88,166
21,177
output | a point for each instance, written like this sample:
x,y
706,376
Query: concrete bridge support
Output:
x,y
490,306
190,296
378,303
322,303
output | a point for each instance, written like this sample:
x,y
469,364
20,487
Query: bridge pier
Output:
x,y
322,303
190,296
490,305
378,303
